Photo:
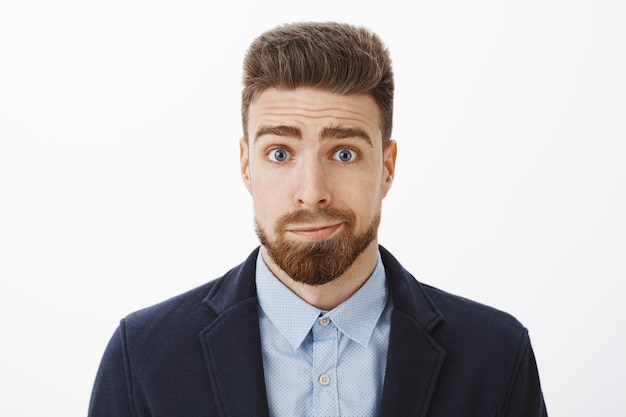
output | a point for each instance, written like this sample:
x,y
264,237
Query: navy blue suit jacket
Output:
x,y
199,354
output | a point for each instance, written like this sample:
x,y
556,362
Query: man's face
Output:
x,y
317,173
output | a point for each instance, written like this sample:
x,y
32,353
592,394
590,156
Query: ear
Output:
x,y
244,159
389,166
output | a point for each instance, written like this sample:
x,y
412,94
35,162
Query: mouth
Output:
x,y
314,232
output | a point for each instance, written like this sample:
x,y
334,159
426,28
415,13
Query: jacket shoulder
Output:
x,y
198,306
155,356
470,314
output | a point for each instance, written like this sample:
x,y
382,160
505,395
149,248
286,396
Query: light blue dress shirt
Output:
x,y
323,364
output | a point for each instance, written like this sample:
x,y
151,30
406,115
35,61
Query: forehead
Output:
x,y
310,108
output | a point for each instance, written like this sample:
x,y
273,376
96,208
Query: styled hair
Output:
x,y
335,57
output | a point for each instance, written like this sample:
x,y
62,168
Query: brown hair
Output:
x,y
336,57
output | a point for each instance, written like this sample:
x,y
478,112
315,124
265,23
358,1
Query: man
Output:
x,y
320,320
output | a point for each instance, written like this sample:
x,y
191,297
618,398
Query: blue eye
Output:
x,y
279,155
345,155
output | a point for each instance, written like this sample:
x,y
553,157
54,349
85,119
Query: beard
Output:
x,y
318,262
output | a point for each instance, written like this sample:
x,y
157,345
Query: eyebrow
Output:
x,y
286,131
345,133
327,133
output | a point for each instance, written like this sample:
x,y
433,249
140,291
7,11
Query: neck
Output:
x,y
330,295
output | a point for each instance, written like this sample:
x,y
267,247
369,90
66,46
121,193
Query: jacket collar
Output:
x,y
414,359
232,344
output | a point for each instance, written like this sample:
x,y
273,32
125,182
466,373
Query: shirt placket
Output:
x,y
325,344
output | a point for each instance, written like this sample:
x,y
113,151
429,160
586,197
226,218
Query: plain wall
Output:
x,y
120,186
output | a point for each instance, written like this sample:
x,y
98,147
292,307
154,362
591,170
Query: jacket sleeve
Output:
x,y
112,389
524,396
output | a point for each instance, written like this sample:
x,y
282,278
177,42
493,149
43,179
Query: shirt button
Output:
x,y
324,321
324,379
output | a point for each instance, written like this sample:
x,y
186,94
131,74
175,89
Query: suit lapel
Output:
x,y
413,365
414,359
232,345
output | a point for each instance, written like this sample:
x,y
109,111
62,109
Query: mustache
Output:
x,y
312,216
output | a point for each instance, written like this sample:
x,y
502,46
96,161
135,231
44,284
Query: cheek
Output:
x,y
363,198
268,188
268,198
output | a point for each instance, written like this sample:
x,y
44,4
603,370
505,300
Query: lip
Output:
x,y
315,232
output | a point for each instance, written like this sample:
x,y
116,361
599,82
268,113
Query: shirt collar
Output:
x,y
293,317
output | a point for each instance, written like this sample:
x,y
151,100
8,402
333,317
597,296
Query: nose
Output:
x,y
311,185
